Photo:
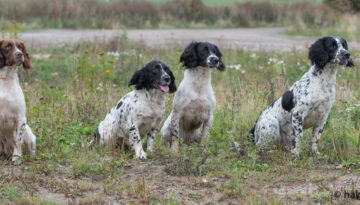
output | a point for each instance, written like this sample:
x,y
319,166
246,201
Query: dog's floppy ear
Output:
x,y
138,79
2,57
350,63
317,54
221,63
189,57
172,85
27,62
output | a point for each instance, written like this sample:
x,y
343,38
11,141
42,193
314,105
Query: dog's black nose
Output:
x,y
166,78
214,60
346,54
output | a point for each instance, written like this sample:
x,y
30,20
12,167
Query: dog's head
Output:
x,y
13,53
202,54
332,50
155,75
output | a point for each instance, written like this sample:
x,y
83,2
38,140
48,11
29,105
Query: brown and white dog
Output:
x,y
16,137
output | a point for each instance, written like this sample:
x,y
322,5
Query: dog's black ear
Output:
x,y
139,79
172,85
350,63
221,63
317,54
189,57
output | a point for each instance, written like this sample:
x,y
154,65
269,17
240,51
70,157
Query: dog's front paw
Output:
x,y
16,160
141,154
150,149
295,153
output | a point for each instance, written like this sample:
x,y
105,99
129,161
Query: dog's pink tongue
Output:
x,y
164,88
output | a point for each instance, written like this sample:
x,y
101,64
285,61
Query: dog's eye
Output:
x,y
8,46
343,44
333,46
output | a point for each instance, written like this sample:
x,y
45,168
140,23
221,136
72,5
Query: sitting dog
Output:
x,y
16,137
194,102
139,113
308,102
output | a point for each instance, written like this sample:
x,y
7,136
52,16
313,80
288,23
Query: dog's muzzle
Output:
x,y
343,57
164,82
213,61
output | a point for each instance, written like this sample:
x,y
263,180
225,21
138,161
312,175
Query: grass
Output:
x,y
68,94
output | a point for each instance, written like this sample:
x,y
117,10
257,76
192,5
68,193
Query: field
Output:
x,y
70,89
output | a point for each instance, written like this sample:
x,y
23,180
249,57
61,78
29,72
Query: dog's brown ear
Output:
x,y
27,62
2,57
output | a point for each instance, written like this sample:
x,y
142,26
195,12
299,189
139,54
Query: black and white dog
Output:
x,y
140,112
194,102
308,102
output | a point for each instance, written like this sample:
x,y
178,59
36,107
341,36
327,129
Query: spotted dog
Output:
x,y
308,102
138,114
194,102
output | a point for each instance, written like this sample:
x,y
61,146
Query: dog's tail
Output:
x,y
251,135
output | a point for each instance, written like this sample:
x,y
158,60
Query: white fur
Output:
x,y
138,115
192,112
16,137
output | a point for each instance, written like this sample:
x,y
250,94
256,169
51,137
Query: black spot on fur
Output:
x,y
293,143
132,128
119,105
287,101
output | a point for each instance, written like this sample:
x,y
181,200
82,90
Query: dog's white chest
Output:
x,y
12,99
321,100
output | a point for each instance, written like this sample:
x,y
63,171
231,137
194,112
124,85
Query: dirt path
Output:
x,y
143,182
252,39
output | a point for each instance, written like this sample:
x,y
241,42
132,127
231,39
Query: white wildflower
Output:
x,y
116,54
236,67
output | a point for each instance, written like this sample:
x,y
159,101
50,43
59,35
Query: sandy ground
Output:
x,y
251,39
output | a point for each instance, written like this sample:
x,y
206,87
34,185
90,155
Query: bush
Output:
x,y
177,13
344,5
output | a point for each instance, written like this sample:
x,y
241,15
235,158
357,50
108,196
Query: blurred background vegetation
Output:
x,y
301,17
